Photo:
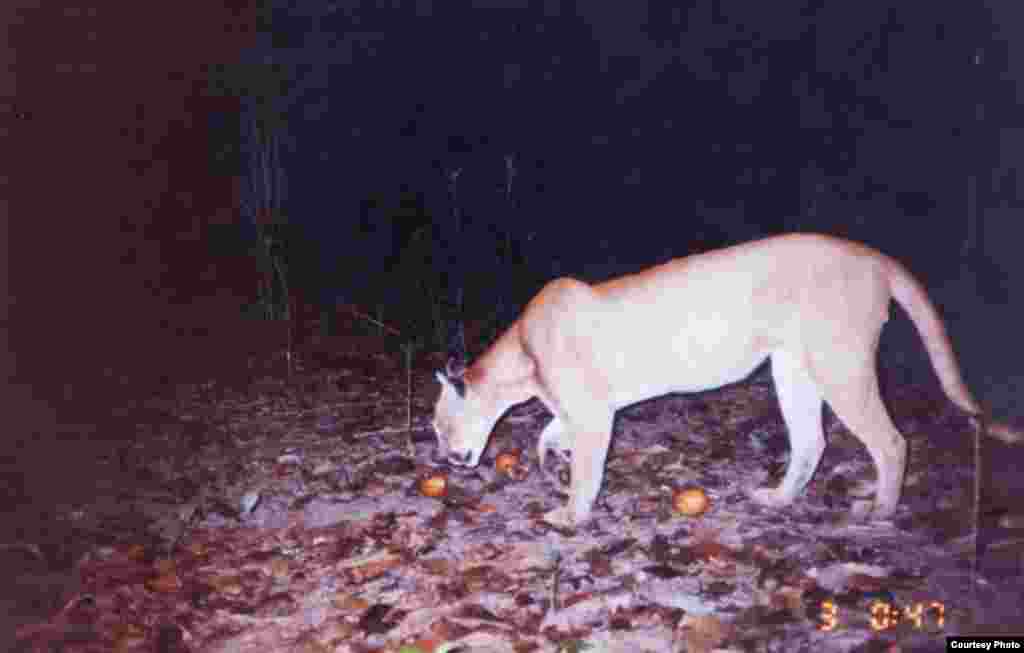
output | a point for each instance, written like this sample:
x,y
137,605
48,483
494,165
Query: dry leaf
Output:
x,y
164,584
703,633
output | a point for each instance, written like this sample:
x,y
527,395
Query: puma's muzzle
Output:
x,y
462,420
467,458
463,459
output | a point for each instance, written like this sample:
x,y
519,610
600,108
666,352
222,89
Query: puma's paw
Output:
x,y
769,497
566,518
883,511
560,518
863,511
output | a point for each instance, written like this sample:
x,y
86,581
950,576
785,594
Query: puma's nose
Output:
x,y
460,458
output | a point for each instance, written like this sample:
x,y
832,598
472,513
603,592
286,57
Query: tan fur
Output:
x,y
814,304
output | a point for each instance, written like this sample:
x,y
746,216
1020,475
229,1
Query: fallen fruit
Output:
x,y
435,485
691,501
506,462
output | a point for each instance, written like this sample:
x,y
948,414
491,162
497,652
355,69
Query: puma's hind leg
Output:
x,y
860,408
850,386
801,404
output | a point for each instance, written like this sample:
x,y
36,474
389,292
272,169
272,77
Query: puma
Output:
x,y
813,304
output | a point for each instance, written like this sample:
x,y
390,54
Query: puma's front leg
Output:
x,y
589,453
801,405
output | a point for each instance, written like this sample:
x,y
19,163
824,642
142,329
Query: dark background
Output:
x,y
639,131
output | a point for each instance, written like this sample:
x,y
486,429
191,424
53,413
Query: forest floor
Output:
x,y
279,513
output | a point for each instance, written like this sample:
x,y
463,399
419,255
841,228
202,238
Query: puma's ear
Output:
x,y
456,368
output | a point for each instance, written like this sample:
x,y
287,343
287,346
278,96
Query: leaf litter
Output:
x,y
286,516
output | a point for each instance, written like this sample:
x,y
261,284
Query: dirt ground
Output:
x,y
286,514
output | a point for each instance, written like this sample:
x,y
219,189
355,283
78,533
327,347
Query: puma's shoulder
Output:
x,y
562,294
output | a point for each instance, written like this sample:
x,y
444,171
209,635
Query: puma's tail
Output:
x,y
911,295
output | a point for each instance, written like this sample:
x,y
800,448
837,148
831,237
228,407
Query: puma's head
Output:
x,y
463,420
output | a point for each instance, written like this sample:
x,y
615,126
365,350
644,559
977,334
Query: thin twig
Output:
x,y
979,425
380,324
383,431
408,347
555,577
